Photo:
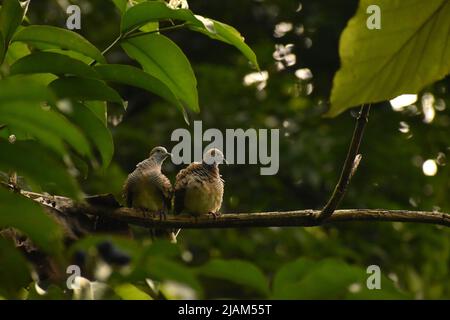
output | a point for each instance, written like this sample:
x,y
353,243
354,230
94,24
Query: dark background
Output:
x,y
312,148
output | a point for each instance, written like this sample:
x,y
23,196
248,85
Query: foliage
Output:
x,y
417,36
62,102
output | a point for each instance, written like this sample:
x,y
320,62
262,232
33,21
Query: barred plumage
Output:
x,y
199,187
148,188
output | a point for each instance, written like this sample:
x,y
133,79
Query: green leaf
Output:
x,y
14,272
16,51
163,248
2,48
24,90
226,33
409,52
154,11
84,89
53,292
334,278
300,279
150,27
151,11
121,5
127,291
240,272
15,157
70,53
94,129
11,15
60,38
27,216
163,59
99,108
163,269
48,62
20,109
291,273
48,126
136,77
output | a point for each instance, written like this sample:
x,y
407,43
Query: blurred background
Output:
x,y
405,148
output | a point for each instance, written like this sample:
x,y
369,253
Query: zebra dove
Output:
x,y
147,188
199,187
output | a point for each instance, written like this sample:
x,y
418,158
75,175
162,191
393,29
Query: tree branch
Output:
x,y
298,218
105,206
350,165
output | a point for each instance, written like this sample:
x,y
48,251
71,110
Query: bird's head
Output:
x,y
214,157
159,154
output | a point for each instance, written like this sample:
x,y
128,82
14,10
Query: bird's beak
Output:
x,y
225,161
170,154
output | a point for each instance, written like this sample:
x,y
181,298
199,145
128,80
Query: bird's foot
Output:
x,y
145,212
161,214
215,214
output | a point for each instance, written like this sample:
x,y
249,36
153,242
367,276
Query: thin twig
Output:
x,y
350,165
130,35
107,49
139,34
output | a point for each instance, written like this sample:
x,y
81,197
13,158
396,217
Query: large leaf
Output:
x,y
14,272
99,108
28,159
226,33
49,127
334,278
163,59
291,273
11,15
240,272
84,89
49,62
24,90
27,216
70,53
95,129
16,51
127,291
154,11
136,77
145,12
410,51
163,269
121,5
328,279
2,48
60,38
20,109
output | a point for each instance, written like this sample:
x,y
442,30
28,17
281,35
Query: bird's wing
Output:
x,y
164,186
181,183
127,191
186,177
